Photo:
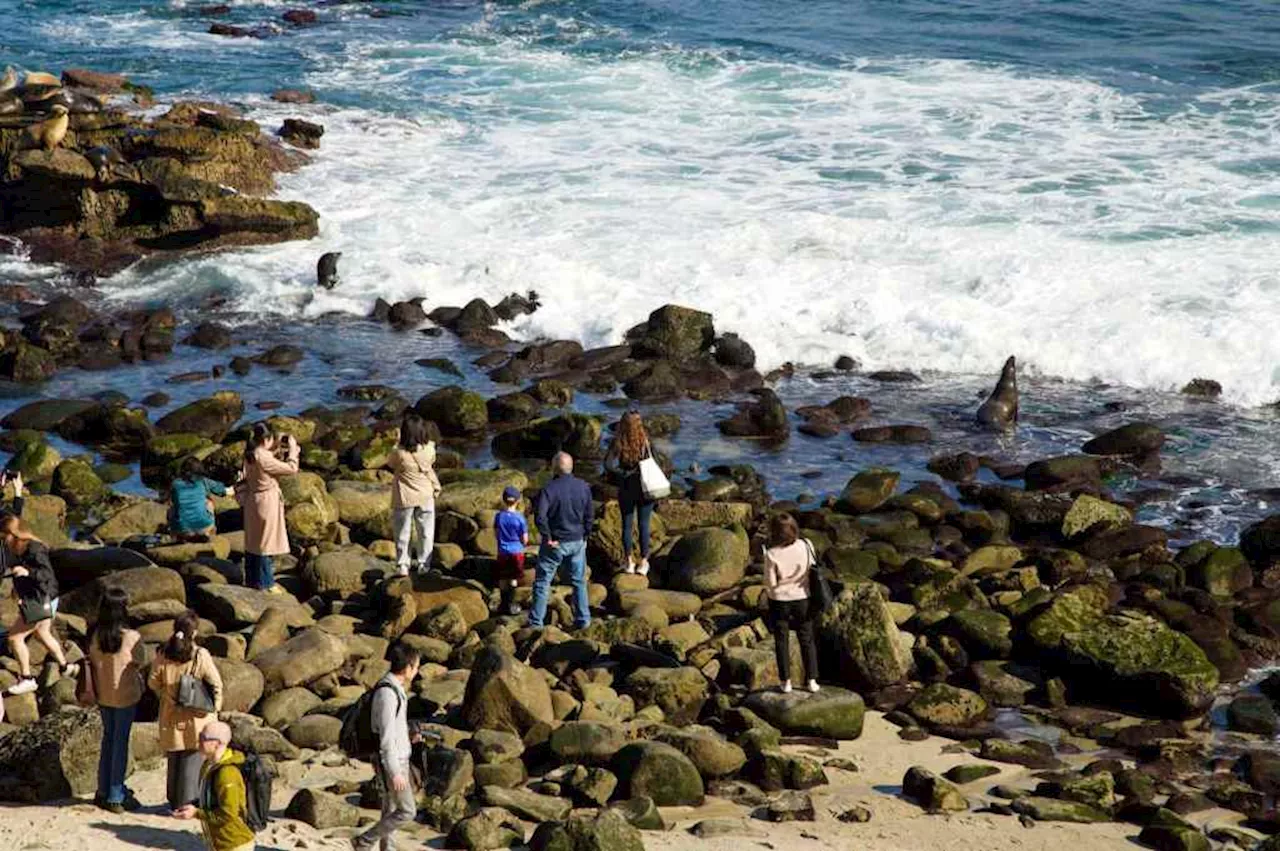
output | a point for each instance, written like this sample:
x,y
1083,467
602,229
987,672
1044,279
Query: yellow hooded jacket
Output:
x,y
223,803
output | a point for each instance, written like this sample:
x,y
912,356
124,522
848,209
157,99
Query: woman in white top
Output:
x,y
787,562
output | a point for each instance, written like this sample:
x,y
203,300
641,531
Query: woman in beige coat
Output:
x,y
180,727
413,495
259,494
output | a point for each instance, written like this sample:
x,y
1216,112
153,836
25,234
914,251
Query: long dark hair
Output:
x,y
413,432
259,434
181,646
113,617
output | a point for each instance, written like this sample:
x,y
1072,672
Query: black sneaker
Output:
x,y
112,807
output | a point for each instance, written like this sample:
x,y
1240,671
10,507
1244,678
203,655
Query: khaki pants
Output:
x,y
398,809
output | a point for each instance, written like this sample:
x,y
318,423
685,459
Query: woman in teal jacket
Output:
x,y
191,502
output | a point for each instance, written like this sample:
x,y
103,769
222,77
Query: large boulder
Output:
x,y
682,515
311,515
940,704
139,519
587,742
140,584
932,792
1133,658
505,694
322,810
608,830
765,418
75,481
867,491
344,572
832,713
488,829
577,434
52,759
675,333
284,707
469,492
525,804
709,752
234,607
679,692
364,507
1261,541
457,411
308,655
1131,439
860,629
210,418
708,561
242,684
660,772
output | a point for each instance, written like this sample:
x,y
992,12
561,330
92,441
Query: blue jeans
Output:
x,y
632,509
113,759
550,560
259,571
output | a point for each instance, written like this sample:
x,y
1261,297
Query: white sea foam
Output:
x,y
914,213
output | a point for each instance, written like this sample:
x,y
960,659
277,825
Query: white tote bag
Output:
x,y
652,480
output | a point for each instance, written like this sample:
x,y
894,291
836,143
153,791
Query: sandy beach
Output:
x,y
882,759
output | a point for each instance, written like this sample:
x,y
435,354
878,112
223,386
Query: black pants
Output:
x,y
784,616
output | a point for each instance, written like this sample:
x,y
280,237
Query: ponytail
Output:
x,y
181,646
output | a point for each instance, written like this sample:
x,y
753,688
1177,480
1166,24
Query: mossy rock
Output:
x,y
211,418
708,561
458,412
1138,659
931,792
1090,514
1051,809
577,434
940,704
165,449
1070,612
676,333
991,560
469,492
984,633
832,713
1223,573
873,652
75,481
36,460
660,772
868,490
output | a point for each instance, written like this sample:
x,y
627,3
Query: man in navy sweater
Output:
x,y
563,514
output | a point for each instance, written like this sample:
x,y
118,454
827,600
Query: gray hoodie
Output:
x,y
390,722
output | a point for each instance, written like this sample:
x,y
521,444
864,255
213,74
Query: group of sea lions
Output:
x,y
37,94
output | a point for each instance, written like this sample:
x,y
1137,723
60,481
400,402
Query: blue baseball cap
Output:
x,y
511,492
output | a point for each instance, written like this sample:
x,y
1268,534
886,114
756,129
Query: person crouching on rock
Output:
x,y
191,502
513,536
223,798
265,535
35,586
413,495
787,561
180,726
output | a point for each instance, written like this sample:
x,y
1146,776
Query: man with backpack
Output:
x,y
224,806
388,747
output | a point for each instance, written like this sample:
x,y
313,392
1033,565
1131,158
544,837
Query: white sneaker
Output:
x,y
814,688
643,569
628,566
786,687
23,687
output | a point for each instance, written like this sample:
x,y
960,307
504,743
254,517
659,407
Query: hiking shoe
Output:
x,y
25,686
786,687
112,807
814,688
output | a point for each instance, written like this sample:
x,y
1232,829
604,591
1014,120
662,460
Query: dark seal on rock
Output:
x,y
1000,411
327,270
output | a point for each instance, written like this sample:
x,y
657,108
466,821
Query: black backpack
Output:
x,y
258,777
357,739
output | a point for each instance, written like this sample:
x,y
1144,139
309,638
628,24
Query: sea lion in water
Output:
x,y
327,270
1000,411
49,133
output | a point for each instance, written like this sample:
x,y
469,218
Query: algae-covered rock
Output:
x,y
946,705
75,481
657,771
832,713
211,418
868,490
1088,513
859,627
708,561
931,792
457,411
577,434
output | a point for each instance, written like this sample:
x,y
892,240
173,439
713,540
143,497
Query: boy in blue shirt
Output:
x,y
513,537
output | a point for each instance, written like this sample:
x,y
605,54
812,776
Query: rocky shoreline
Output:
x,y
1045,599
108,185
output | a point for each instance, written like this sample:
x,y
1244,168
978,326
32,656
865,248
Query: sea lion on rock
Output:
x,y
106,162
77,103
49,133
9,80
1000,411
327,270
10,104
40,78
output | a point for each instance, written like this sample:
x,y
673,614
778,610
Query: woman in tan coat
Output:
x,y
259,494
413,494
114,684
180,727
